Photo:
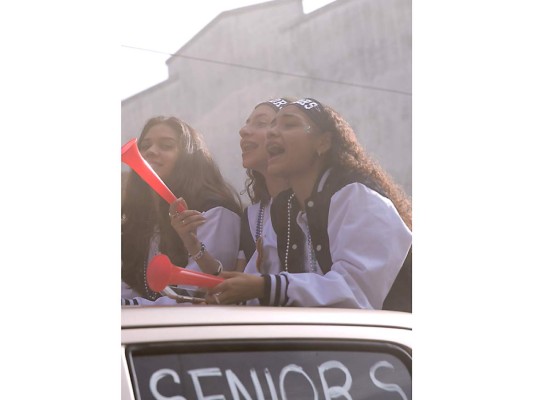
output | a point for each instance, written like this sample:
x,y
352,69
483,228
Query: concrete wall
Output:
x,y
365,43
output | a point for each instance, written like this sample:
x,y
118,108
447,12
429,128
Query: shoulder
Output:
x,y
212,202
222,213
358,193
336,179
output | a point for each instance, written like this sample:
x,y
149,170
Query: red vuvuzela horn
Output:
x,y
132,157
161,273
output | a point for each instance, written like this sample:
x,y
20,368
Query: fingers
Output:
x,y
214,295
181,204
223,292
178,206
190,219
215,298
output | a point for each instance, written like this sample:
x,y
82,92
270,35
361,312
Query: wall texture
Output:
x,y
353,55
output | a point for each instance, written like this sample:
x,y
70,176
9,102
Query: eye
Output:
x,y
289,125
144,146
260,124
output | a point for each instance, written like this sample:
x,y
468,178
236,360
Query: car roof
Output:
x,y
134,317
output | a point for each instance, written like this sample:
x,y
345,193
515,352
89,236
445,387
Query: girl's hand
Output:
x,y
237,287
186,223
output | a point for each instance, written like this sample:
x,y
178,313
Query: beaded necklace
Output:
x,y
311,252
149,293
153,250
260,217
259,237
289,206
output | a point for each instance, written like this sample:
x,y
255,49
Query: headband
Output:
x,y
314,110
276,104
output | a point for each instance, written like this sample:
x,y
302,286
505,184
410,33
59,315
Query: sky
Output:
x,y
150,28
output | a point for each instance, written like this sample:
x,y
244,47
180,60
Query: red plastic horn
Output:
x,y
161,273
132,157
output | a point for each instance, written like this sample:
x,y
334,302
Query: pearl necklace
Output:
x,y
289,206
149,293
153,250
312,256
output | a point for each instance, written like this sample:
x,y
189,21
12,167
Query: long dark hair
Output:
x,y
346,153
256,187
195,177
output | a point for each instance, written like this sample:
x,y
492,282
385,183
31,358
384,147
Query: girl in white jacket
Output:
x,y
343,229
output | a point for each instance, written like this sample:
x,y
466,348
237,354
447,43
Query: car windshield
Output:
x,y
257,370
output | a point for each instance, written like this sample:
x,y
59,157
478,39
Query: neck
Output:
x,y
303,185
275,184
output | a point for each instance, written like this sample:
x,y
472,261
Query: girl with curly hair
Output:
x,y
343,228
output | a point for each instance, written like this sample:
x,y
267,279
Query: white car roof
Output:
x,y
201,315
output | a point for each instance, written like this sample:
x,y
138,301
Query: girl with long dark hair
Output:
x,y
204,238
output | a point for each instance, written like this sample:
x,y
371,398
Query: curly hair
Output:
x,y
346,153
256,187
195,177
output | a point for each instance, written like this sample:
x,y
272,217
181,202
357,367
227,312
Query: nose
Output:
x,y
244,131
272,132
150,151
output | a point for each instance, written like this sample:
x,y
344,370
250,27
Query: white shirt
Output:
x,y
270,263
220,234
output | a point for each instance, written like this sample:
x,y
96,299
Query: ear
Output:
x,y
323,143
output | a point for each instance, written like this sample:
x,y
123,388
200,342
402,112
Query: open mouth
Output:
x,y
248,146
274,150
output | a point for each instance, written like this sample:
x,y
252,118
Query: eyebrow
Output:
x,y
260,115
163,140
292,115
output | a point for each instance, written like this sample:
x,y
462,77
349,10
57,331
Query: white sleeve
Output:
x,y
220,234
130,297
253,212
368,244
141,301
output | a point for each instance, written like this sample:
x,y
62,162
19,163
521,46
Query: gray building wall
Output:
x,y
359,49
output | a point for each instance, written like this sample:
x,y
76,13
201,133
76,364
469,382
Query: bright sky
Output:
x,y
164,26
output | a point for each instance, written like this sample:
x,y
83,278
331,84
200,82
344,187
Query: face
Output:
x,y
253,137
291,144
160,148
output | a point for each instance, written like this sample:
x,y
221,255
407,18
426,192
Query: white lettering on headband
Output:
x,y
308,104
279,103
